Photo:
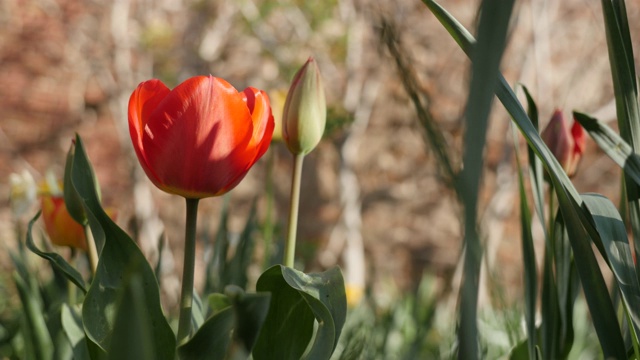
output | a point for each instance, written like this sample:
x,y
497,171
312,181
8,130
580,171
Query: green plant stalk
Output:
x,y
290,246
188,269
92,250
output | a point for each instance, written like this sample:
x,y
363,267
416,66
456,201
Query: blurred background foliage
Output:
x,y
375,198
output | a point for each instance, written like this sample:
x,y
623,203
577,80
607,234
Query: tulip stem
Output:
x,y
186,297
290,249
92,250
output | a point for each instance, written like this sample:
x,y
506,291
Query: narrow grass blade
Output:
x,y
535,165
528,257
566,288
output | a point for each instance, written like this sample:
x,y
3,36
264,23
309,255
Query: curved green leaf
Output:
x,y
55,259
325,295
120,259
296,300
250,312
236,315
212,339
613,235
72,327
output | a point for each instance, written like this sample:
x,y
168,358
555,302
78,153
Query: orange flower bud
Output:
x,y
567,145
60,226
305,110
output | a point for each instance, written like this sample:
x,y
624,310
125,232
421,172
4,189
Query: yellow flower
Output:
x,y
354,294
23,192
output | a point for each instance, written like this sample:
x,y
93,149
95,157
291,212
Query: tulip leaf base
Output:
x,y
298,300
124,283
236,317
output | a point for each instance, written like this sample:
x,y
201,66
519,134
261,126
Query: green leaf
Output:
x,y
529,259
218,302
626,94
492,34
132,329
600,305
296,299
55,259
212,339
72,327
612,144
250,312
613,235
120,260
236,315
40,340
566,288
535,165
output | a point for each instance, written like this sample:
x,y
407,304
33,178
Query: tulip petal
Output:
x,y
142,103
60,226
263,122
196,139
579,138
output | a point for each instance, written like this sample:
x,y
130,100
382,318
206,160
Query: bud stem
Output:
x,y
290,248
186,297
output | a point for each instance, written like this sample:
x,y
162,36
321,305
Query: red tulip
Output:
x,y
60,226
201,138
567,145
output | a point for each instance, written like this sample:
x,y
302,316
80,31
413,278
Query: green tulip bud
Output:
x,y
71,197
305,110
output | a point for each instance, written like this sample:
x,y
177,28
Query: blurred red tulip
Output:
x,y
567,145
60,226
201,138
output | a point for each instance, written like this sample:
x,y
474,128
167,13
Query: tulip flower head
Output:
x,y
566,144
62,229
305,110
201,138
